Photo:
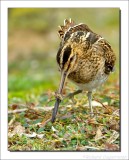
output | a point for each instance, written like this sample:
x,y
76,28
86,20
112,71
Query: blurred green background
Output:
x,y
33,43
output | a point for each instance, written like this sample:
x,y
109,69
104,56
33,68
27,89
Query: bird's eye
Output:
x,y
71,59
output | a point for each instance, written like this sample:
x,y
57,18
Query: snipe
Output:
x,y
84,57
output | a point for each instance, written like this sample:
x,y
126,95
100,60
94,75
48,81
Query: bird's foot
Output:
x,y
91,114
71,95
58,96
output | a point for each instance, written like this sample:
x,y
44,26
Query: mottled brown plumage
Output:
x,y
84,57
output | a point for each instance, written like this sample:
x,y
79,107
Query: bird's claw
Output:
x,y
58,96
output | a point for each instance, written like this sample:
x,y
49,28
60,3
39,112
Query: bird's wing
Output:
x,y
108,55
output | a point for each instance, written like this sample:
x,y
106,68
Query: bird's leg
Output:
x,y
89,94
73,94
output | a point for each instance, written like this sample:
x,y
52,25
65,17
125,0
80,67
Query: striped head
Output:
x,y
67,59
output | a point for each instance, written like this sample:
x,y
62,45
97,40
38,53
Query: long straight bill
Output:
x,y
58,100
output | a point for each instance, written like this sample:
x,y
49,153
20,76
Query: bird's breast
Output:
x,y
89,74
89,84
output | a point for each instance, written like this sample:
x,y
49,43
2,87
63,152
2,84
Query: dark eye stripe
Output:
x,y
66,55
58,57
59,54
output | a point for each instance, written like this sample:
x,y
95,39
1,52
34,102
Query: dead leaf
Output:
x,y
58,143
116,112
98,134
66,136
14,106
30,104
31,135
19,129
40,136
54,130
113,137
55,136
114,126
96,103
34,135
91,121
113,147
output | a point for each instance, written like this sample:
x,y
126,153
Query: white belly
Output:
x,y
99,80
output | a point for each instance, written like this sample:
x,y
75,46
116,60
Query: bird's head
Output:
x,y
67,60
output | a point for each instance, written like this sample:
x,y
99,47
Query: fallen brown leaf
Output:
x,y
113,147
98,133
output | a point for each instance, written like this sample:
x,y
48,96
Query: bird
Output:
x,y
84,57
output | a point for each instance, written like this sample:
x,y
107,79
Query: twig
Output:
x,y
89,147
113,137
51,100
44,124
64,117
17,111
44,108
34,108
12,120
22,105
101,104
110,116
